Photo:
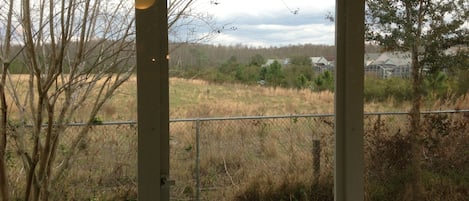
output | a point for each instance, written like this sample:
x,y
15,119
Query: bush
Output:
x,y
445,164
462,87
290,188
324,81
382,89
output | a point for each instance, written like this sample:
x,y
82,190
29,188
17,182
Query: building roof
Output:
x,y
319,61
370,57
393,58
280,61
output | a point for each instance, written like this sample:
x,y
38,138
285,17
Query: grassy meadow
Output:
x,y
258,159
197,98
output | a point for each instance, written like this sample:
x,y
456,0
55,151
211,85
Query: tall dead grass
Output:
x,y
255,159
104,169
198,98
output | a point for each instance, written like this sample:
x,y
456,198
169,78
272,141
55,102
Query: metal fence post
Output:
x,y
379,122
316,160
197,159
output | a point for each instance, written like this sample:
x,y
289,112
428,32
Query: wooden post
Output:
x,y
349,165
153,100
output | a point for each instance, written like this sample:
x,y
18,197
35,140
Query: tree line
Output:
x,y
196,55
299,73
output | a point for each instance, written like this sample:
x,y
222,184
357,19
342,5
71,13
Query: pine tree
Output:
x,y
425,29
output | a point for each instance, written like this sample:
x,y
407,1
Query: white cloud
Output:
x,y
228,8
277,35
273,22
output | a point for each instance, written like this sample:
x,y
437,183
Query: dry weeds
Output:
x,y
235,155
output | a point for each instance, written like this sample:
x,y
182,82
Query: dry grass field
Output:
x,y
239,160
236,155
197,98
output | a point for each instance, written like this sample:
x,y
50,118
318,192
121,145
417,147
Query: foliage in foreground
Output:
x,y
445,165
388,166
264,189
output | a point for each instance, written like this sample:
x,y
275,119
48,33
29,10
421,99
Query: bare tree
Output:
x,y
5,63
187,24
77,53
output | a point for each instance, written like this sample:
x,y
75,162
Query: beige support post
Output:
x,y
349,164
153,100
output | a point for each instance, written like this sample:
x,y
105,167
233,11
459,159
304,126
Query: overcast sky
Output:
x,y
271,22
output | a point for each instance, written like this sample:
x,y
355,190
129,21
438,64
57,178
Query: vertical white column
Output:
x,y
349,164
153,100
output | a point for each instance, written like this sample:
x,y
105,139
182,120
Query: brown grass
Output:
x,y
198,98
259,157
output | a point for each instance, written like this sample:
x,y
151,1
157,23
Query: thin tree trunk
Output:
x,y
4,185
4,191
415,131
415,125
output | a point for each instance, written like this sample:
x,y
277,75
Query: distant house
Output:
x,y
402,71
393,58
370,57
321,64
319,61
268,62
283,62
389,64
381,71
323,68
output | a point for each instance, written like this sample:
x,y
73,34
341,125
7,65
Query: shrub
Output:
x,y
324,81
445,163
462,87
290,188
382,89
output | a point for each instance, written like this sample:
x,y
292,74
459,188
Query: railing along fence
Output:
x,y
229,151
219,158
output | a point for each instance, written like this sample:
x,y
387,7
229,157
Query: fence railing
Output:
x,y
313,144
217,157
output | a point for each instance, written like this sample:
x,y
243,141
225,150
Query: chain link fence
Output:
x,y
223,158
104,167
230,153
245,158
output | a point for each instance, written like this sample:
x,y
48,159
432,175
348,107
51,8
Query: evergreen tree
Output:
x,y
274,75
257,60
425,29
324,81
